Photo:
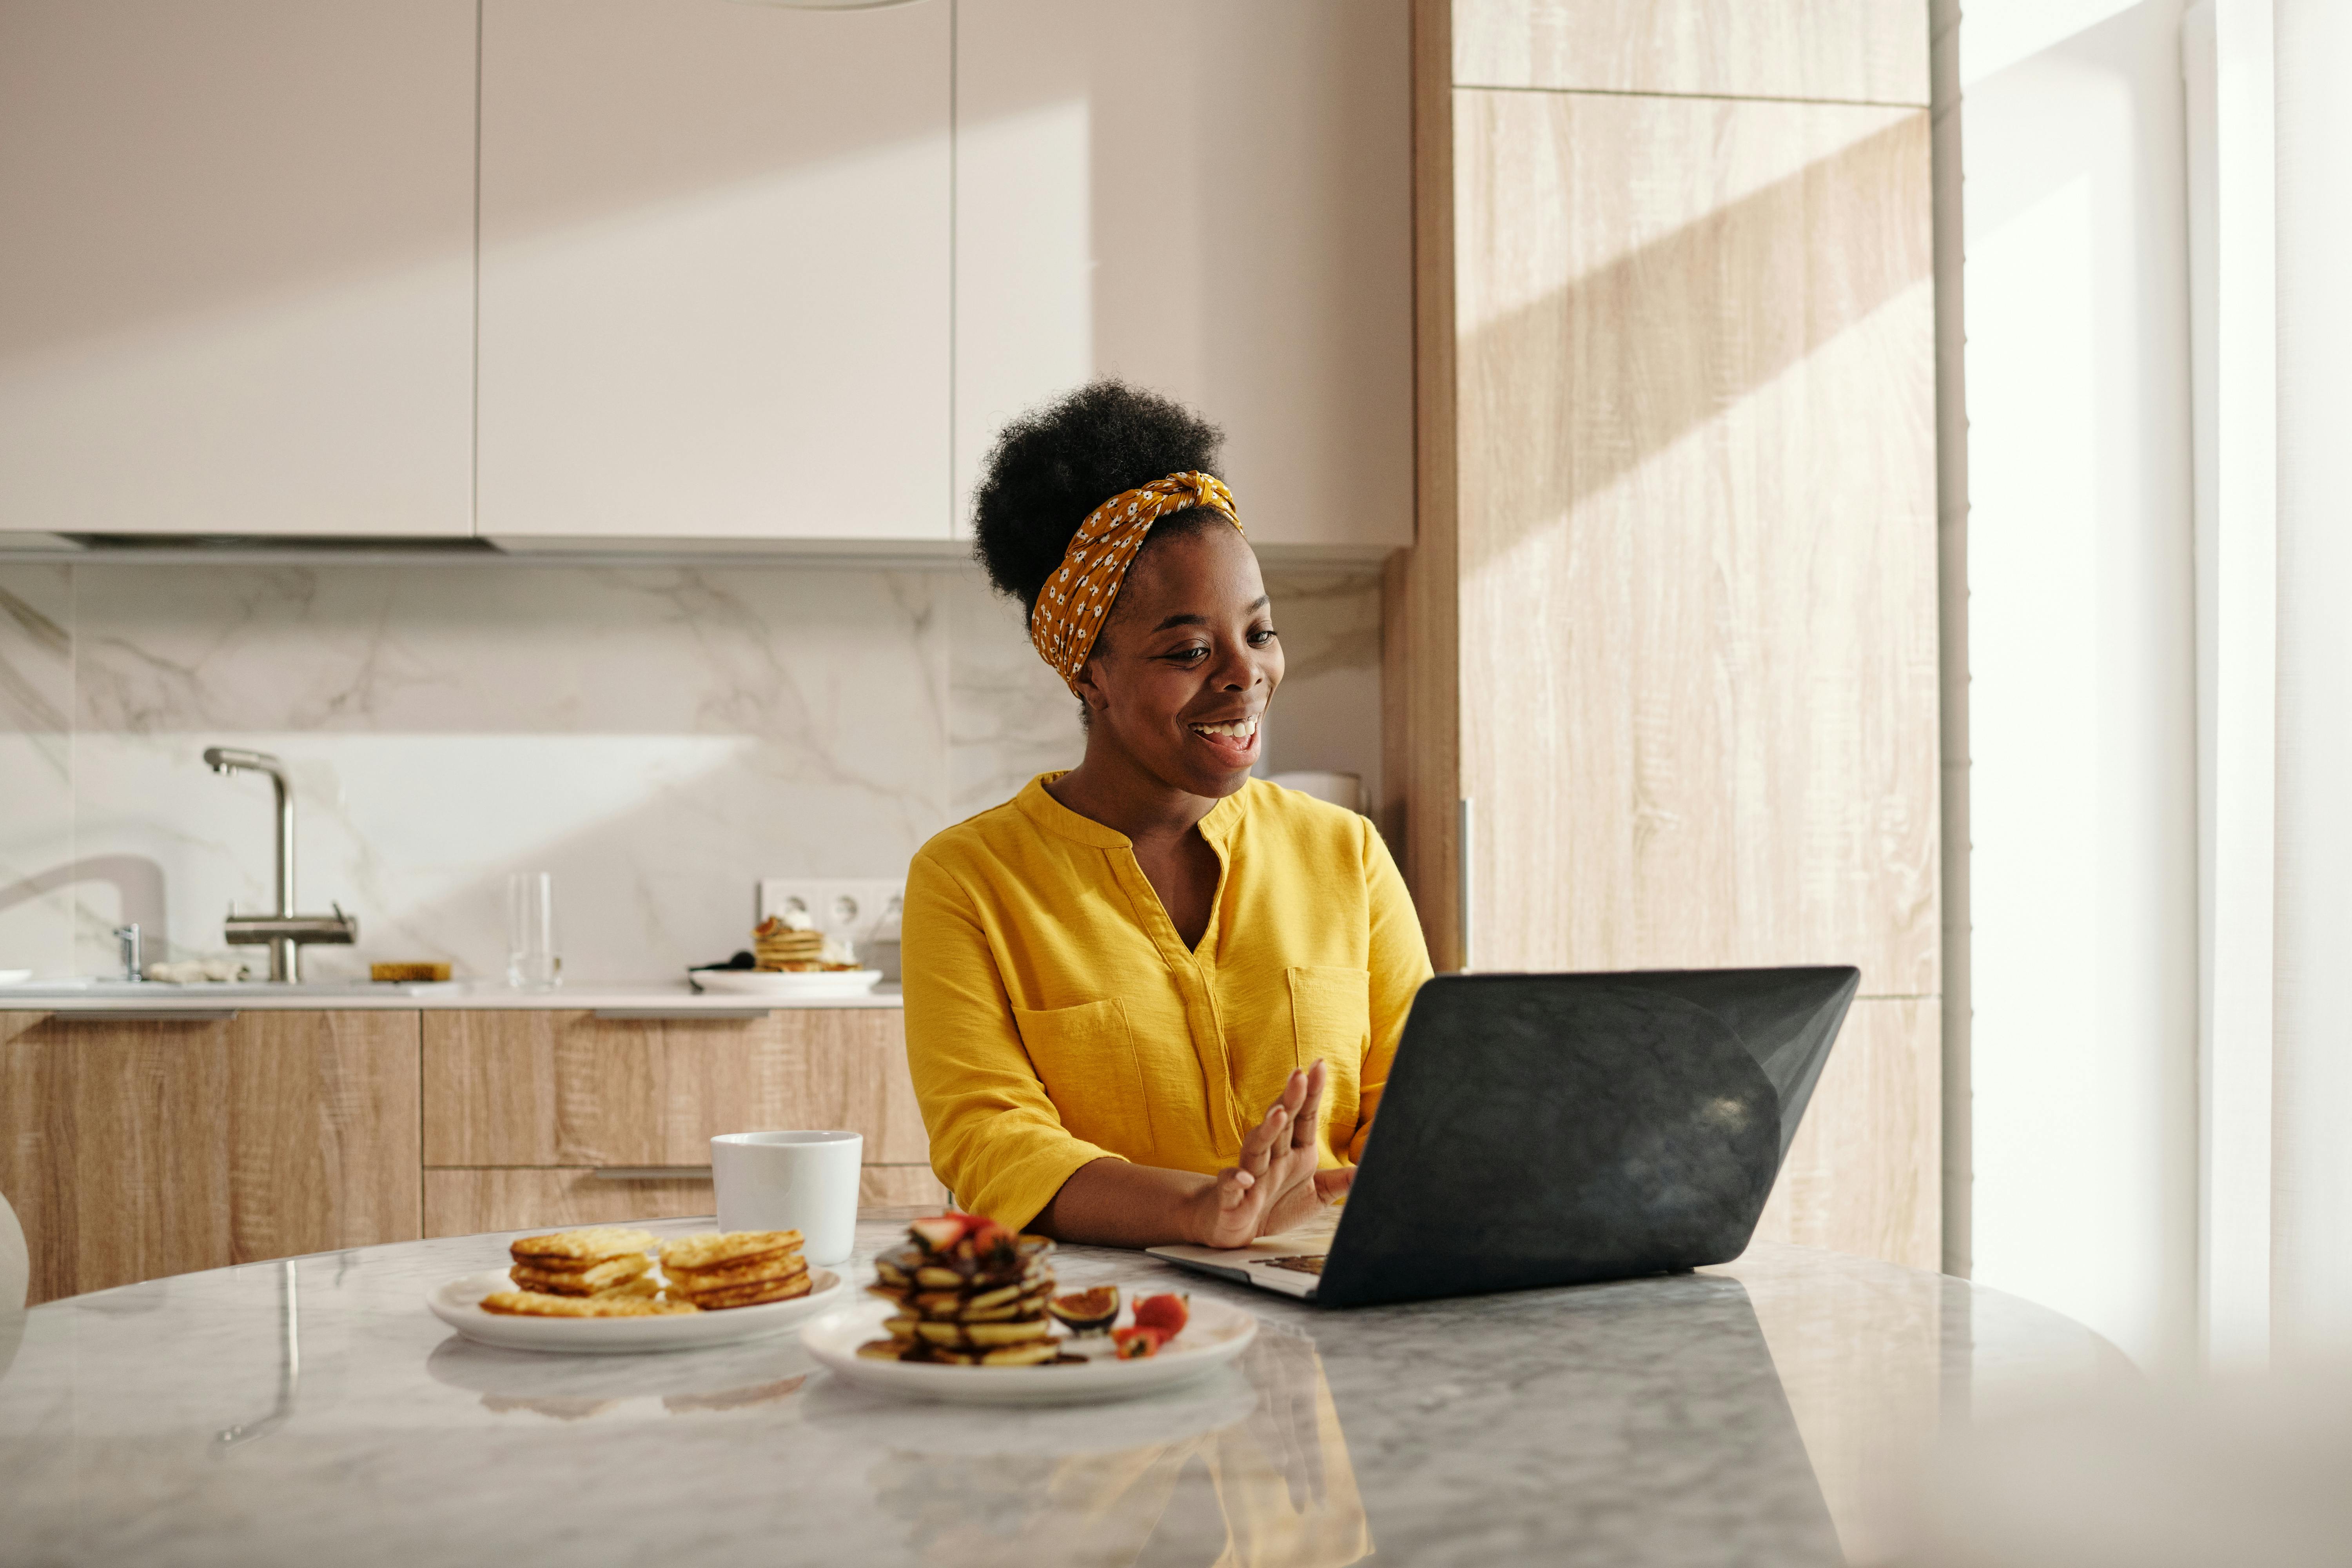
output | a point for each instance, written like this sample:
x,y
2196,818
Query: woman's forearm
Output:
x,y
1110,1202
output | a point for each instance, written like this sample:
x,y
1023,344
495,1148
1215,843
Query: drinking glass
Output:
x,y
534,961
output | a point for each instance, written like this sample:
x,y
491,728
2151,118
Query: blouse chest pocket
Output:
x,y
1331,1017
1085,1058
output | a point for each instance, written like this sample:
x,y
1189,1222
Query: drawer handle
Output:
x,y
652,1174
682,1014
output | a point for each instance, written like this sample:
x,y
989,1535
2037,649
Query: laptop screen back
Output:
x,y
1558,1129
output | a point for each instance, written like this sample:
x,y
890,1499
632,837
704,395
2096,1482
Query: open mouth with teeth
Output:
x,y
1234,740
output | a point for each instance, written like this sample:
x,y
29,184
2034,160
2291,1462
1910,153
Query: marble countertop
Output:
x,y
160,998
312,1411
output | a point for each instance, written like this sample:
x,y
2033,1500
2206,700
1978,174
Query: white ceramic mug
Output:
x,y
790,1181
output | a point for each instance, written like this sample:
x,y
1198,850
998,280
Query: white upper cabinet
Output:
x,y
715,290
236,267
1212,199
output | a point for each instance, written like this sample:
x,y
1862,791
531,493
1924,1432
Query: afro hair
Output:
x,y
1053,465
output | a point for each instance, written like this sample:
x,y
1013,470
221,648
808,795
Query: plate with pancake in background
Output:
x,y
602,1290
789,957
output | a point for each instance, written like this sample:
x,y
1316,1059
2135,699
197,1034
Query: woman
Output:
x,y
1151,999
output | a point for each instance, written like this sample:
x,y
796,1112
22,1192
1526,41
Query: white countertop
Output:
x,y
312,1412
155,997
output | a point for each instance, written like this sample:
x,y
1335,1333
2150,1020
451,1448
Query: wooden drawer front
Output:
x,y
136,1149
465,1202
566,1090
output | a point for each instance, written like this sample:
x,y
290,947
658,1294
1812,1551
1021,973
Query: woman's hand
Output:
x,y
1274,1186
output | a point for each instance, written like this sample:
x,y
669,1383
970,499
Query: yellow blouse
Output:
x,y
1054,1016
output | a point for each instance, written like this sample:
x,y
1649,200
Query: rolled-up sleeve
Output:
x,y
1399,961
996,1140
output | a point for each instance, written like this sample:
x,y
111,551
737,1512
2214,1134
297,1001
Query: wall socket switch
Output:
x,y
861,912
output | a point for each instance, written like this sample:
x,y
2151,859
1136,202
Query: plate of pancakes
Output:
x,y
967,1312
614,1289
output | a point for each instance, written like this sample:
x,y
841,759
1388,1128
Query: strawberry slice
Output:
x,y
986,1238
1167,1313
1137,1343
941,1232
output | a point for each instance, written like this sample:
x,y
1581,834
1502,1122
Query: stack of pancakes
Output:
x,y
600,1272
779,946
977,1299
741,1269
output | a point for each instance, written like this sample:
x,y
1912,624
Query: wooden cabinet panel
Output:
x,y
516,1088
1866,1172
323,1131
1244,243
715,256
465,1202
1697,533
237,294
570,1089
858,1079
135,1150
900,1187
1870,51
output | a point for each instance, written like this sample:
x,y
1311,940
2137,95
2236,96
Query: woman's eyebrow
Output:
x,y
1190,619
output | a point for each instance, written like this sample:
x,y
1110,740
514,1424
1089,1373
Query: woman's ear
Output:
x,y
1090,687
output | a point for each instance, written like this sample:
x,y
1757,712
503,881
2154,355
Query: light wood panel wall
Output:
x,y
1870,51
1421,690
1670,619
1697,427
135,1150
1865,1171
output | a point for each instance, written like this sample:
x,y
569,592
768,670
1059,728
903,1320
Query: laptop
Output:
x,y
1564,1129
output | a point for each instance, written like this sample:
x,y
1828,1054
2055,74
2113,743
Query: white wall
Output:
x,y
2080,644
2312,1157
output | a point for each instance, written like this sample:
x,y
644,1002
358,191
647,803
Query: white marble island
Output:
x,y
310,1411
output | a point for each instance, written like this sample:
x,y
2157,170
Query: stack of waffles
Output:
x,y
711,1272
600,1272
969,1292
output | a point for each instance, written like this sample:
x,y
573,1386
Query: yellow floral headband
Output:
x,y
1076,599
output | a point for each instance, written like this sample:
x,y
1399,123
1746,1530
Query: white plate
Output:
x,y
15,976
457,1304
1215,1335
824,982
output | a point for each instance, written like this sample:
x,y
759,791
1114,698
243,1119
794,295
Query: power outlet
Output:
x,y
862,913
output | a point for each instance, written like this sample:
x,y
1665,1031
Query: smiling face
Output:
x,y
1187,662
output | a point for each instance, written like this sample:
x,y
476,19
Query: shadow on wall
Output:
x,y
1763,297
137,880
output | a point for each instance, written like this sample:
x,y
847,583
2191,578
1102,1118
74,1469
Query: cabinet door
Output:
x,y
714,271
136,1149
236,267
1213,200
570,1090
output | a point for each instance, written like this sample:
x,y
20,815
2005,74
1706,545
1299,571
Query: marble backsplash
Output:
x,y
659,737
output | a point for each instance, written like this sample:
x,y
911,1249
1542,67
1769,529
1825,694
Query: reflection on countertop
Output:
x,y
1752,1413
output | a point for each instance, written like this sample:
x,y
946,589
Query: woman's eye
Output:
x,y
1261,637
1189,655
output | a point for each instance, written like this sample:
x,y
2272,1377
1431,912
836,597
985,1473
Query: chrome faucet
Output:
x,y
284,931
